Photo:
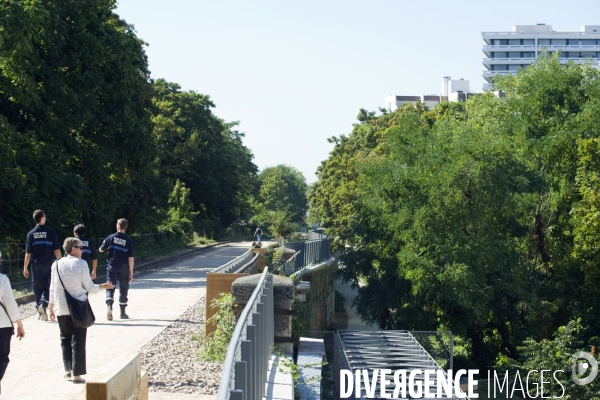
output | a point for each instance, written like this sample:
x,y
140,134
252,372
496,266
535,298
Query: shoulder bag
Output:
x,y
80,310
11,321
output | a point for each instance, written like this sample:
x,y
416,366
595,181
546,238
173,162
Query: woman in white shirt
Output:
x,y
9,314
75,275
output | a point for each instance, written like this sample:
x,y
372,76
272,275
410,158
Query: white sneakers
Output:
x,y
43,315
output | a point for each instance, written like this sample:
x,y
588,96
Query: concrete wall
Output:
x,y
321,298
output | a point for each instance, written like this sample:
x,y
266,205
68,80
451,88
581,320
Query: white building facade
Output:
x,y
452,90
506,52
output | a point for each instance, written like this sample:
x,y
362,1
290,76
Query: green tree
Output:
x,y
181,213
283,190
477,217
74,101
202,151
557,355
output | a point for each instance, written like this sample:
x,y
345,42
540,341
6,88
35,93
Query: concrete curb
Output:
x,y
100,279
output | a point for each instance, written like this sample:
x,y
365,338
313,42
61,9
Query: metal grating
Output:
x,y
394,350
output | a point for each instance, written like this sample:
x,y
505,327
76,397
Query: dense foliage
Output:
x,y
280,199
479,217
88,137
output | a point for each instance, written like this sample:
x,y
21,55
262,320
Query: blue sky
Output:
x,y
296,73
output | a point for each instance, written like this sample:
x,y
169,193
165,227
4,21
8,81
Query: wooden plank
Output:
x,y
143,390
217,283
121,382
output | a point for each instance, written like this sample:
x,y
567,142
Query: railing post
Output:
x,y
246,350
241,380
263,337
236,395
260,358
252,336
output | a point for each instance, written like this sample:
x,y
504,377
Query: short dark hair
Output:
x,y
79,229
123,223
38,215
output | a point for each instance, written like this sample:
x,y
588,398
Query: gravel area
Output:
x,y
171,358
27,310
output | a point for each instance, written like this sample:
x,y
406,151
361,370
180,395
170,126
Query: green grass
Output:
x,y
19,293
201,240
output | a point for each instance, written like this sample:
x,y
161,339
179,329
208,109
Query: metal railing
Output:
x,y
235,264
286,268
247,360
340,362
371,350
250,267
13,256
311,252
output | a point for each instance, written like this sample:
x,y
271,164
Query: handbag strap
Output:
x,y
9,318
61,282
58,272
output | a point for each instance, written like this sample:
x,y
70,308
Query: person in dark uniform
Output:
x,y
41,248
120,266
89,249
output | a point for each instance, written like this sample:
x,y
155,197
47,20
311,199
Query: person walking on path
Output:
x,y
89,254
41,247
8,316
75,276
120,257
258,233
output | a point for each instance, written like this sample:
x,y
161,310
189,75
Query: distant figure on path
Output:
x,y
75,276
89,248
120,257
8,315
41,247
258,233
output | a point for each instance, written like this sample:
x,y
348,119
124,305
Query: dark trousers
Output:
x,y
121,275
40,278
72,342
5,336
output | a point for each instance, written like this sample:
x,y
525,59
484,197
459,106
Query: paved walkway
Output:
x,y
155,300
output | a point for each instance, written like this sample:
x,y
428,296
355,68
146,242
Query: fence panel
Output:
x,y
13,256
249,349
311,251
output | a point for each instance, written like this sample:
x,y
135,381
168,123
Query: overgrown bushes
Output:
x,y
214,346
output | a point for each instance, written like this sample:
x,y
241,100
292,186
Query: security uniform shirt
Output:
x,y
41,243
120,248
89,250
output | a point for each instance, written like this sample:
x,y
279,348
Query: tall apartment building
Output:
x,y
506,52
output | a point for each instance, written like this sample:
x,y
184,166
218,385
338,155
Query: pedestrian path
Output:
x,y
155,300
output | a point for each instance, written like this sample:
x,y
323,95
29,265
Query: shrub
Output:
x,y
215,344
